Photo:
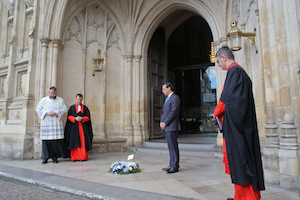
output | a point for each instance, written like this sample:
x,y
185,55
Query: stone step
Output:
x,y
197,150
182,146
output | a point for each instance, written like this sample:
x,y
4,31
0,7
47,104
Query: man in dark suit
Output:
x,y
170,124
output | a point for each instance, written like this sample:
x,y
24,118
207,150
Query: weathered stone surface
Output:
x,y
54,42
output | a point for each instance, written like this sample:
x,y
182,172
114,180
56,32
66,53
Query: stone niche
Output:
x,y
88,30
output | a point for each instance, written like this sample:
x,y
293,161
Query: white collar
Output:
x,y
170,94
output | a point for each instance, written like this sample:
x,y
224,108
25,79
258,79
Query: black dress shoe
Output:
x,y
230,199
44,161
172,170
166,168
55,160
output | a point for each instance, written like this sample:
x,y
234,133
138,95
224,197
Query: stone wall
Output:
x,y
53,42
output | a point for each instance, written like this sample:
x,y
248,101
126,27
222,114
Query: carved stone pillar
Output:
x,y
128,96
288,155
42,84
137,139
271,148
43,67
288,147
56,45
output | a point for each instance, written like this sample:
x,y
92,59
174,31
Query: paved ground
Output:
x,y
199,178
12,189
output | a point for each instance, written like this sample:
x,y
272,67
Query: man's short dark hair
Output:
x,y
79,95
168,84
52,88
225,51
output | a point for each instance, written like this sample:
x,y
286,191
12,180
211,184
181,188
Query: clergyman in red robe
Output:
x,y
241,148
78,130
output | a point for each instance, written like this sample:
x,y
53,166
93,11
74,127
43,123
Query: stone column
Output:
x,y
41,93
292,21
43,67
221,75
288,147
270,150
128,96
56,45
137,139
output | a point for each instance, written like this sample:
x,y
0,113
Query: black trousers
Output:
x,y
54,149
173,149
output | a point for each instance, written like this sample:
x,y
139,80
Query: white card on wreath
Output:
x,y
130,157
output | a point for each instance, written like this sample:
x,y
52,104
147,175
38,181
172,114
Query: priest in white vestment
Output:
x,y
51,109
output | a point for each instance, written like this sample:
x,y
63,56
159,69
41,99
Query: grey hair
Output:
x,y
225,51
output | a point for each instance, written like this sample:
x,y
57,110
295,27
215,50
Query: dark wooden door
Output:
x,y
156,77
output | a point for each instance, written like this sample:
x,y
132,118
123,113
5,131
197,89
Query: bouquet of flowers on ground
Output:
x,y
124,167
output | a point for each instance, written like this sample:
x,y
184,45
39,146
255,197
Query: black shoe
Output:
x,y
230,199
166,169
55,160
44,161
172,170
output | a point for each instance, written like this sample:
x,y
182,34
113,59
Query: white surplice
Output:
x,y
51,127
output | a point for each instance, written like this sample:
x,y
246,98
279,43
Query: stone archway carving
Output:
x,y
89,29
154,17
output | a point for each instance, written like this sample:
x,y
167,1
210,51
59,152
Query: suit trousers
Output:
x,y
173,149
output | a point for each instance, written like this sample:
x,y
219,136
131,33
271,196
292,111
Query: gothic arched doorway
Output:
x,y
179,53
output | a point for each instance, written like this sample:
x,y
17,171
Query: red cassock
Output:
x,y
79,153
241,192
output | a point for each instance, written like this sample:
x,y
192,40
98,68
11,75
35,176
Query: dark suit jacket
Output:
x,y
170,114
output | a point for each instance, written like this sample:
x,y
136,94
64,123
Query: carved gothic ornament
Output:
x,y
131,8
3,86
236,9
11,6
93,25
29,3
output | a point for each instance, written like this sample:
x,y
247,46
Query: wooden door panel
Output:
x,y
156,77
156,106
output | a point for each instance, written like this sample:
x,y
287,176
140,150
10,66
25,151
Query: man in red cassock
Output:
x,y
78,130
236,112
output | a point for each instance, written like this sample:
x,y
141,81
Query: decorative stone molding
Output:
x,y
236,7
127,8
56,43
29,7
3,82
129,57
10,20
93,24
288,136
29,12
43,66
113,39
12,39
21,83
29,3
138,58
257,12
272,140
11,7
45,42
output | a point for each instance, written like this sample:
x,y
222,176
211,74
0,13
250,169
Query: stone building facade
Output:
x,y
53,43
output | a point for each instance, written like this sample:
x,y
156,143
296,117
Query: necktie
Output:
x,y
167,98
